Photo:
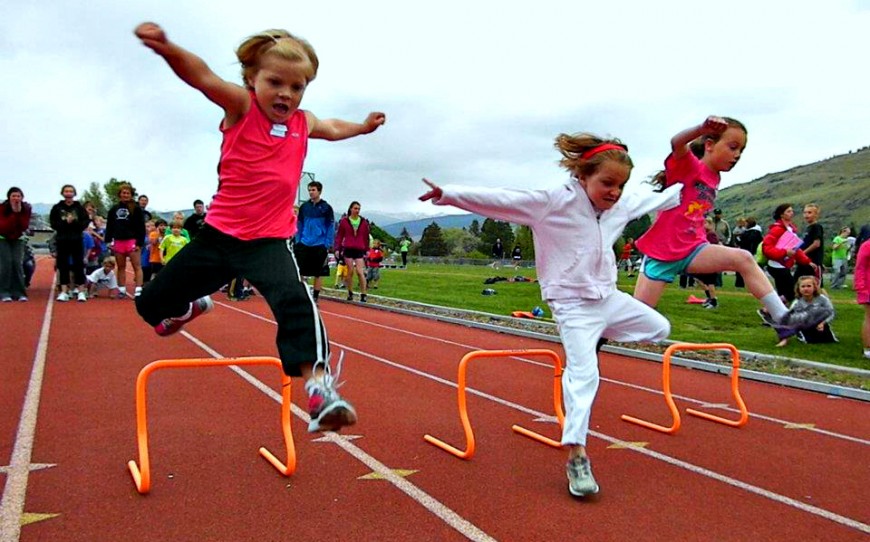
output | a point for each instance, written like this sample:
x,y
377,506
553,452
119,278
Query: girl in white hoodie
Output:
x,y
575,226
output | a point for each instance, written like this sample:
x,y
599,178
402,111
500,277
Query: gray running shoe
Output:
x,y
580,479
328,411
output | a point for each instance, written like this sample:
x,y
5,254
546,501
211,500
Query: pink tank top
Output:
x,y
260,168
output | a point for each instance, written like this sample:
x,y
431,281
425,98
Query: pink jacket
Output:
x,y
346,238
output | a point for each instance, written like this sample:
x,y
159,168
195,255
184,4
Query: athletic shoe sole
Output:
x,y
335,416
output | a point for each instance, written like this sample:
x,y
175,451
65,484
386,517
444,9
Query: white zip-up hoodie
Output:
x,y
573,242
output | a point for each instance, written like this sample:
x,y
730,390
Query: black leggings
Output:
x,y
212,259
783,282
71,257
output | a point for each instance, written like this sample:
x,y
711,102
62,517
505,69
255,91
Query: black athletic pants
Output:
x,y
212,259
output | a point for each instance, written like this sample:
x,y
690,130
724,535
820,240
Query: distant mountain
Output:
x,y
839,185
416,227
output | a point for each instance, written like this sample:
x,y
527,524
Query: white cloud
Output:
x,y
474,91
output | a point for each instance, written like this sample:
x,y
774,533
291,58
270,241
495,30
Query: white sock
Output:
x,y
122,290
774,305
867,352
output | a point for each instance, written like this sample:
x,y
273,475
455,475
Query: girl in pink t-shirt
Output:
x,y
250,222
676,242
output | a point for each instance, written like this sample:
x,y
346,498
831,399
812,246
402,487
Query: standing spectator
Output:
x,y
862,284
722,228
69,219
373,264
178,216
14,222
737,232
155,237
840,258
813,245
145,259
708,280
315,231
404,246
172,244
352,240
125,233
29,263
749,241
781,259
194,222
625,256
143,205
517,255
498,250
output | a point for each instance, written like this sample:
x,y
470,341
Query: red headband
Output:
x,y
601,148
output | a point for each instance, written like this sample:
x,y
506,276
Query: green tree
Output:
x,y
94,194
432,242
637,227
405,234
459,242
526,241
474,228
384,237
496,229
111,187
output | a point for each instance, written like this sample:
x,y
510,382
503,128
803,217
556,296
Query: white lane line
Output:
x,y
440,510
788,501
15,491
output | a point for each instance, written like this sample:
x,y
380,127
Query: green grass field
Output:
x,y
733,322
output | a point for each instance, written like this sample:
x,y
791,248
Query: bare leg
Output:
x,y
649,291
716,258
121,262
136,260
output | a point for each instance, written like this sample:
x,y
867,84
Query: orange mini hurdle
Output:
x,y
675,412
468,453
142,472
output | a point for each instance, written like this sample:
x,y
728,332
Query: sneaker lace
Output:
x,y
329,382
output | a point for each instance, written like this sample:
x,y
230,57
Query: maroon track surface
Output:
x,y
766,481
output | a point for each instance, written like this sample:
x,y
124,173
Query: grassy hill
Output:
x,y
839,185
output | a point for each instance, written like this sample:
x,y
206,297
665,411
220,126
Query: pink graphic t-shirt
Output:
x,y
260,168
677,232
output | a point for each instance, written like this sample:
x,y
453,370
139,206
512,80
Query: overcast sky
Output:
x,y
474,92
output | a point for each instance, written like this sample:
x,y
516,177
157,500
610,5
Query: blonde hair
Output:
x,y
177,224
804,278
574,146
109,260
279,43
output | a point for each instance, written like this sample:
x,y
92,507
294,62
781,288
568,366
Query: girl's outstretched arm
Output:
x,y
525,207
337,129
232,98
680,142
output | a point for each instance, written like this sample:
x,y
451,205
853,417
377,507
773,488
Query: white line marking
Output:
x,y
465,527
837,518
15,492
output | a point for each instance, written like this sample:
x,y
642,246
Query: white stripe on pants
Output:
x,y
582,322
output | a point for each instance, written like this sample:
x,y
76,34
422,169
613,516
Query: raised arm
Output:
x,y
525,207
680,142
337,129
232,98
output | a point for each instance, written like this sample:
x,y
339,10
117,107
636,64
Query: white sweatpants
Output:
x,y
582,322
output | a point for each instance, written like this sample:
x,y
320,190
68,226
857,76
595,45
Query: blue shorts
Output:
x,y
666,271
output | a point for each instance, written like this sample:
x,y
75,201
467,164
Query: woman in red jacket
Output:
x,y
352,241
14,221
779,259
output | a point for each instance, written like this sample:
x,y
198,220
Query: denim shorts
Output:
x,y
666,271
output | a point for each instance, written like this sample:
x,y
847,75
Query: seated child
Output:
x,y
809,299
104,279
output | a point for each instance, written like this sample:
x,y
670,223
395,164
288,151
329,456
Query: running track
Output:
x,y
799,470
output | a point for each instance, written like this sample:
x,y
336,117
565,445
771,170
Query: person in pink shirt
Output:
x,y
862,285
250,221
677,241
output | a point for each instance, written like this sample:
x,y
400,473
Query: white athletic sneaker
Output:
x,y
580,479
82,297
63,297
